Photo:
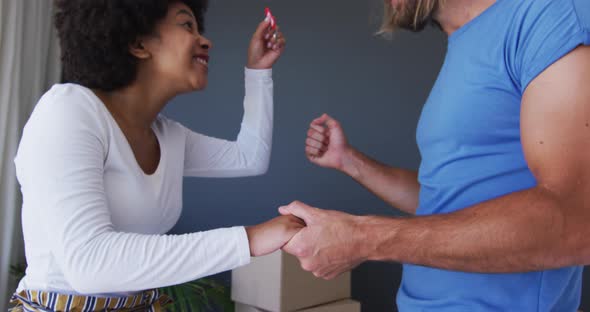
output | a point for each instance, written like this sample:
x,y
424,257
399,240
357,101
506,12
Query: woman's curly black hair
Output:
x,y
95,36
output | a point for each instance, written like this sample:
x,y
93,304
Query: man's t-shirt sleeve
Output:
x,y
550,30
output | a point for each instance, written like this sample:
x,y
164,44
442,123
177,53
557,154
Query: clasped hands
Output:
x,y
327,243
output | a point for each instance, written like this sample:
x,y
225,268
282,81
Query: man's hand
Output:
x,y
326,144
329,245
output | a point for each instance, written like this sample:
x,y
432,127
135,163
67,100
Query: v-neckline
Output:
x,y
129,148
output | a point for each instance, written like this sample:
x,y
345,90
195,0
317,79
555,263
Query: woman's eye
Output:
x,y
188,25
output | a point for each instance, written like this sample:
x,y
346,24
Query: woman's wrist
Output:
x,y
257,67
250,232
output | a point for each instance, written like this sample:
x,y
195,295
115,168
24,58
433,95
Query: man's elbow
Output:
x,y
580,236
580,254
573,249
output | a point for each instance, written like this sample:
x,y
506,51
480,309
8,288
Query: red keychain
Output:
x,y
268,14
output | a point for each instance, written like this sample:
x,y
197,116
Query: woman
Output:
x,y
101,171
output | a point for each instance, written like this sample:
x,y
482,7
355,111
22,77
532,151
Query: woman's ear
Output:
x,y
139,50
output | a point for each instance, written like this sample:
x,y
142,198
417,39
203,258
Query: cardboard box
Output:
x,y
240,307
339,306
277,283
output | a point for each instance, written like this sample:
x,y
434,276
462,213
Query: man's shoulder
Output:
x,y
582,8
510,10
540,20
547,31
538,10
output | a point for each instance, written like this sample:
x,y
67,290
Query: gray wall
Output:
x,y
333,64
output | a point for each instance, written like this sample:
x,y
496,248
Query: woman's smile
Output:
x,y
202,59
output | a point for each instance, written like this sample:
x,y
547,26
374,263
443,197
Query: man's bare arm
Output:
x,y
396,186
541,228
327,146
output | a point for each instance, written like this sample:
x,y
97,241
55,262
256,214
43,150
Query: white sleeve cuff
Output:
x,y
242,244
258,73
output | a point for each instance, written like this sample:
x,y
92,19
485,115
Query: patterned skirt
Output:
x,y
32,300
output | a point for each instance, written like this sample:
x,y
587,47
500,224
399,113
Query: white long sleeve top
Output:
x,y
94,222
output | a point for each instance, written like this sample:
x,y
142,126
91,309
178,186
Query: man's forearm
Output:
x,y
525,231
398,187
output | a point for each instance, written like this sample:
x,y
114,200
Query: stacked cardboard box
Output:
x,y
338,306
276,283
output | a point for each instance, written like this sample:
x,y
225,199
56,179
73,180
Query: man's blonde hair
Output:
x,y
391,16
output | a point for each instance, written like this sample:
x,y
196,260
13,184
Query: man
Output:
x,y
501,201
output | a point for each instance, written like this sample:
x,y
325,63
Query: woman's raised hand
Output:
x,y
266,46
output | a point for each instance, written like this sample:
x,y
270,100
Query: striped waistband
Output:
x,y
34,301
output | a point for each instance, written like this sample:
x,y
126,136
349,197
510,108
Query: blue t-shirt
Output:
x,y
469,140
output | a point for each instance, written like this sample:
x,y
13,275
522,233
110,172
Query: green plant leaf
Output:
x,y
18,271
222,299
199,296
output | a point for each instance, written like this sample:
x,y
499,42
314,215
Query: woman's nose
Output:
x,y
205,43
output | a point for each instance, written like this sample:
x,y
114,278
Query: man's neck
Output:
x,y
453,14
